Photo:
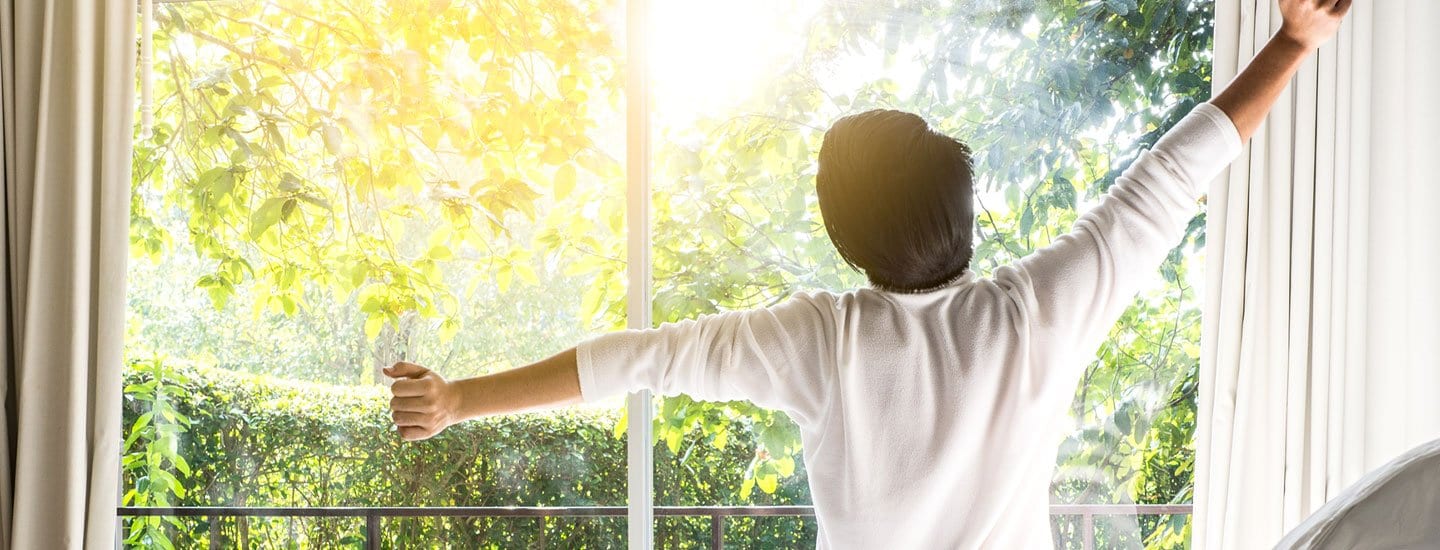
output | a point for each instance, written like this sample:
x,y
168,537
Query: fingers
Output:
x,y
1338,7
413,433
418,419
415,407
414,404
408,387
405,369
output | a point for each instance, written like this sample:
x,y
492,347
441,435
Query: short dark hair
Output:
x,y
897,199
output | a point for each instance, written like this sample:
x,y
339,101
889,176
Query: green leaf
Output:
x,y
286,208
219,296
142,422
181,464
358,271
1064,193
265,217
1121,7
287,304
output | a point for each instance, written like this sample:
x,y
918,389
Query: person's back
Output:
x,y
933,438
931,418
930,403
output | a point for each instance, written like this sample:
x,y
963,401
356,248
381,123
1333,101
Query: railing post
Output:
x,y
372,531
717,531
1087,530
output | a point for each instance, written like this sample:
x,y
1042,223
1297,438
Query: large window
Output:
x,y
329,187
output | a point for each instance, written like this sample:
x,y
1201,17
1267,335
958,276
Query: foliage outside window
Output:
x,y
334,186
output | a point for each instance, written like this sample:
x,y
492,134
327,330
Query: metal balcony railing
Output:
x,y
717,514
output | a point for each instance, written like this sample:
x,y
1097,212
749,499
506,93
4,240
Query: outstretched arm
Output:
x,y
776,357
424,403
1308,24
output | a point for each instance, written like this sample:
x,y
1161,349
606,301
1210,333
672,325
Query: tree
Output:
x,y
409,157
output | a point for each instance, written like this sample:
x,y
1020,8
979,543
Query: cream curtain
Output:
x,y
67,85
1321,338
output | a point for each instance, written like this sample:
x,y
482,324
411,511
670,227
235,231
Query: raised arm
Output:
x,y
1073,290
1307,25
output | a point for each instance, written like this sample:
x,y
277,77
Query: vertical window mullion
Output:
x,y
640,460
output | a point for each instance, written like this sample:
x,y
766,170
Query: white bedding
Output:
x,y
1394,507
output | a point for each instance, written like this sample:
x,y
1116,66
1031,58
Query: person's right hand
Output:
x,y
1311,23
423,404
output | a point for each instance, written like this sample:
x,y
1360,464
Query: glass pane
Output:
x,y
334,186
1054,96
734,228
243,532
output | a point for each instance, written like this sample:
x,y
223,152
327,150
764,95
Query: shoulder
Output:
x,y
839,302
826,309
823,303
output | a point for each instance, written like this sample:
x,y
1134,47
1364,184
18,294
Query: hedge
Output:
x,y
199,436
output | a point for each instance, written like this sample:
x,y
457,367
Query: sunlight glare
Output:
x,y
709,56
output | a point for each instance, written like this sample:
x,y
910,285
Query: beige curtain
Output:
x,y
1321,325
67,84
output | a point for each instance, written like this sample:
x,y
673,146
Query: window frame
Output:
x,y
639,454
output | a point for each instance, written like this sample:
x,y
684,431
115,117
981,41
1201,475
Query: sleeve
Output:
x,y
1074,289
778,357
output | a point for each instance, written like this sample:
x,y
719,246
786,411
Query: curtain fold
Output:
x,y
1321,322
67,87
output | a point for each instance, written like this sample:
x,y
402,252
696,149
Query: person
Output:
x,y
929,404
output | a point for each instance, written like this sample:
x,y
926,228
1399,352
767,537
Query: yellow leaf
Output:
x,y
526,274
502,277
439,252
564,180
566,84
372,326
672,440
623,423
768,483
553,155
786,465
448,328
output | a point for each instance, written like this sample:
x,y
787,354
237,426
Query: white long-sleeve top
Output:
x,y
932,420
